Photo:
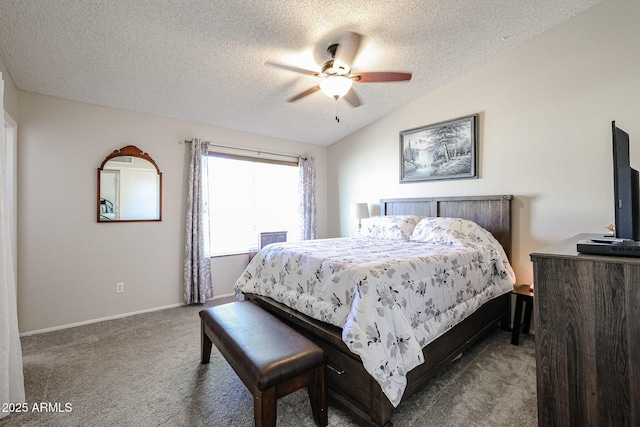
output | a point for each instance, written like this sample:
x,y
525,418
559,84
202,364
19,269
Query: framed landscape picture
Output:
x,y
445,150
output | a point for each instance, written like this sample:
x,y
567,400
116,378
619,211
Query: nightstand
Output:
x,y
524,295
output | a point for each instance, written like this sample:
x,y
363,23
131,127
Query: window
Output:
x,y
248,196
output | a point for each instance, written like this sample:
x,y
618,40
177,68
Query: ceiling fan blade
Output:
x,y
352,98
294,69
305,93
381,76
347,50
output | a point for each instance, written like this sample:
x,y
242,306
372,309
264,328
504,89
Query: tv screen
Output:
x,y
625,186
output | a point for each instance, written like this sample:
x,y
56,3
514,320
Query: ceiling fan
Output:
x,y
336,74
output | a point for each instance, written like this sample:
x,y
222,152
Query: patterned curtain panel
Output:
x,y
11,377
307,169
197,270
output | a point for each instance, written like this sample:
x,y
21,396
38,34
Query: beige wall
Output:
x,y
68,264
545,132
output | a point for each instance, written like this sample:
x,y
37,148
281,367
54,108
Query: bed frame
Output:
x,y
351,388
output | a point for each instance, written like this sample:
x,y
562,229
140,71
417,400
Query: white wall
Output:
x,y
68,263
10,99
10,107
545,132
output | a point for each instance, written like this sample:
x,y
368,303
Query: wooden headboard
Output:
x,y
490,212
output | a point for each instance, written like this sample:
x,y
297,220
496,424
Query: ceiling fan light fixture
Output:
x,y
336,86
335,74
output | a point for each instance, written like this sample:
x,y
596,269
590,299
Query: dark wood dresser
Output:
x,y
587,326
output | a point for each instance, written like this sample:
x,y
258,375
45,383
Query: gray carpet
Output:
x,y
145,370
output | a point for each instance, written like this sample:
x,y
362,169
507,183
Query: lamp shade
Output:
x,y
336,86
359,210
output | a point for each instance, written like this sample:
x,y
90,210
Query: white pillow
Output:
x,y
461,232
392,227
449,231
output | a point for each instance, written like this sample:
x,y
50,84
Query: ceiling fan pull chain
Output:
x,y
337,118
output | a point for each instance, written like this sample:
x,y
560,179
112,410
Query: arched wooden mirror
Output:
x,y
129,187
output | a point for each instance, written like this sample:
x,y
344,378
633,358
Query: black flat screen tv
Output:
x,y
625,187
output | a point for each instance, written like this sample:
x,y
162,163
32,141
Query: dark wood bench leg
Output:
x,y
205,344
264,408
318,398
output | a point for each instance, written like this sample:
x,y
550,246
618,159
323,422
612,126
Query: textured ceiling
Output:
x,y
204,60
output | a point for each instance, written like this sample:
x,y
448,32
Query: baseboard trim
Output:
x,y
232,294
116,316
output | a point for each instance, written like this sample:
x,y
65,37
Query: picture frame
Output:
x,y
445,150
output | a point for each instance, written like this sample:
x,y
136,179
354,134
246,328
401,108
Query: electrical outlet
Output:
x,y
119,287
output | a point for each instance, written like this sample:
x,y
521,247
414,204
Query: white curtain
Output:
x,y
197,270
307,169
11,377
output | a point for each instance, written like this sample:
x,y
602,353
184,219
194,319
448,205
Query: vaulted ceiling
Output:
x,y
204,60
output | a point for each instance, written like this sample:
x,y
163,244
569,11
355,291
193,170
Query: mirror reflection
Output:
x,y
129,187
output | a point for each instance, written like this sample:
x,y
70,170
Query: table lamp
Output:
x,y
359,211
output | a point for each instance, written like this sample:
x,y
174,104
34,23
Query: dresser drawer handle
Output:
x,y
339,372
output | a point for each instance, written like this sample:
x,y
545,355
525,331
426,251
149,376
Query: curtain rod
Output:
x,y
254,151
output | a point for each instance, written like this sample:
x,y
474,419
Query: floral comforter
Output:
x,y
390,297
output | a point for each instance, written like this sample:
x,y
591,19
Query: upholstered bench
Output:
x,y
270,358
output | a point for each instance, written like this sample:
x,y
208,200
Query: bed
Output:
x,y
332,290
